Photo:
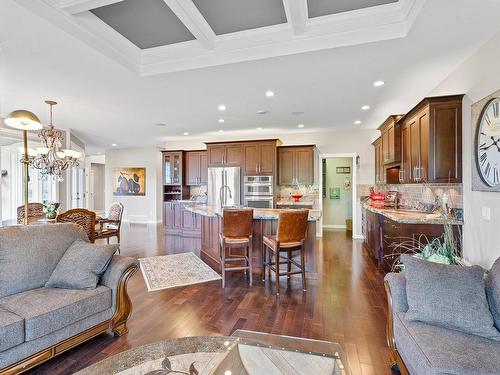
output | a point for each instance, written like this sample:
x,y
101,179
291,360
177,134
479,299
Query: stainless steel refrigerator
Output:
x,y
224,186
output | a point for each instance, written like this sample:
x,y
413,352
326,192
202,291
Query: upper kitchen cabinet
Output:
x,y
391,140
431,141
172,167
296,165
260,157
196,170
379,161
224,154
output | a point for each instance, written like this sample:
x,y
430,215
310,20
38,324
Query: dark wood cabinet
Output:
x,y
259,158
172,217
179,221
224,154
296,165
384,237
196,170
172,167
379,161
391,140
431,141
210,241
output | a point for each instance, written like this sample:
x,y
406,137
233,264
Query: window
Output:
x,y
40,189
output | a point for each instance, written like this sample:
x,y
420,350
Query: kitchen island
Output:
x,y
265,223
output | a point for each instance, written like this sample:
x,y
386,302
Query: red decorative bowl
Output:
x,y
296,197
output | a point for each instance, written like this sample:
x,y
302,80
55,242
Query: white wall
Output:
x,y
477,77
139,209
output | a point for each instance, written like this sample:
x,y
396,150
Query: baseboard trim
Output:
x,y
141,221
358,237
328,226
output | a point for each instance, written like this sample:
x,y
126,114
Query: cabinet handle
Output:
x,y
256,168
401,176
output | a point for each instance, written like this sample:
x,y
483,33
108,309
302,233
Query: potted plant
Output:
x,y
50,209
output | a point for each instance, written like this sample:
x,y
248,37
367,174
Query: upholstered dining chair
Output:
x,y
35,212
82,217
110,226
237,228
279,249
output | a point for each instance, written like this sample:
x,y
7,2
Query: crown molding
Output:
x,y
298,35
78,6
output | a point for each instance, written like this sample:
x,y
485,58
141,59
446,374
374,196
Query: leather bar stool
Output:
x,y
290,238
237,228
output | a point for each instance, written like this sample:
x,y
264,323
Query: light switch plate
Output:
x,y
486,213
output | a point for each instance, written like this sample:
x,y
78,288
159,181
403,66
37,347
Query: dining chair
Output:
x,y
237,228
110,226
82,217
35,212
279,249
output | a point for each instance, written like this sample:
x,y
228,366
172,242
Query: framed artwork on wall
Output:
x,y
335,193
486,144
129,181
343,170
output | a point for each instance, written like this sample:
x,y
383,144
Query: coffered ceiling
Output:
x,y
159,36
321,78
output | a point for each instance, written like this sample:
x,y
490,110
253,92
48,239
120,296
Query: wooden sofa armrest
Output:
x,y
395,359
116,277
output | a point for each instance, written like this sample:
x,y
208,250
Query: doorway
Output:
x,y
96,187
338,192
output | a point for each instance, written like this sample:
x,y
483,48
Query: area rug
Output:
x,y
170,271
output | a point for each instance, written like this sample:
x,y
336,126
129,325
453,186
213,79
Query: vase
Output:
x,y
51,215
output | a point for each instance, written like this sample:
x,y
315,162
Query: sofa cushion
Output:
x,y
46,310
448,296
81,266
11,329
28,255
431,350
493,292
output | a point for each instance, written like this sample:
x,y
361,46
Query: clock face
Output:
x,y
487,145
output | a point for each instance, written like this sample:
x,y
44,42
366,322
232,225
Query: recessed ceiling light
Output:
x,y
357,122
160,124
269,93
259,128
262,112
98,153
186,133
221,131
300,125
222,107
221,120
297,113
378,83
365,107
113,144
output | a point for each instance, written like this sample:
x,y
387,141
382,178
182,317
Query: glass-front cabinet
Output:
x,y
172,168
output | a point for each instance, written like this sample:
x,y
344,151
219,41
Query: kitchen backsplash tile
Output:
x,y
310,193
414,193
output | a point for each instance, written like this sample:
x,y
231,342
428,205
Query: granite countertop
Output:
x,y
409,217
259,213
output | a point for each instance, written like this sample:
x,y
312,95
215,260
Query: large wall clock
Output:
x,y
487,144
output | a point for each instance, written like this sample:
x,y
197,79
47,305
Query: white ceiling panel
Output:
x,y
319,8
146,23
229,16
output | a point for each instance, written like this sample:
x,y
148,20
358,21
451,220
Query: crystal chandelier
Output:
x,y
50,159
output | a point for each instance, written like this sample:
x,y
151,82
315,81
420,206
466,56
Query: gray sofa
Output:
x,y
422,349
38,323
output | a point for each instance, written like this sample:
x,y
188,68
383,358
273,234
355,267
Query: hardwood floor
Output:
x,y
345,303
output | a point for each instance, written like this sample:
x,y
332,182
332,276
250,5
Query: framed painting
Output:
x,y
129,181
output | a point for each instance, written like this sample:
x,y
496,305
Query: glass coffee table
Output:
x,y
242,353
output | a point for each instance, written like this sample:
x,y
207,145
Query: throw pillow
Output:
x,y
81,266
448,296
493,292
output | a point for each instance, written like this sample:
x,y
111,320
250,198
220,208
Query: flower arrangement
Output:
x,y
50,209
